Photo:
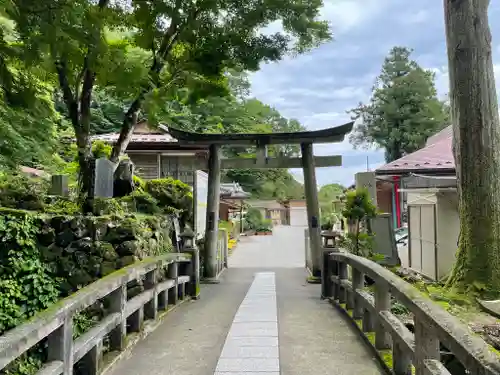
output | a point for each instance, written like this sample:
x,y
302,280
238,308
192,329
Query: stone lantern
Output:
x,y
187,237
189,247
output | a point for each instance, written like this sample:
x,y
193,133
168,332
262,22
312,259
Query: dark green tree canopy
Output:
x,y
142,52
404,109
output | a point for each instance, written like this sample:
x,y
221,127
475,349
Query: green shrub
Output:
x,y
139,183
253,219
359,207
62,206
142,202
22,192
101,149
172,195
107,206
265,226
26,283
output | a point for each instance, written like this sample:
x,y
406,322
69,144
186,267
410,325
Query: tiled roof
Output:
x,y
436,155
33,171
138,138
233,190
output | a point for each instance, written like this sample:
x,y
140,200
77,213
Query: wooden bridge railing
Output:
x,y
123,316
432,324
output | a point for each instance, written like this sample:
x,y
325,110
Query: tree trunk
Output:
x,y
476,145
86,164
126,132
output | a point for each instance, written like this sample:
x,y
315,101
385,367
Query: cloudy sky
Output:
x,y
319,87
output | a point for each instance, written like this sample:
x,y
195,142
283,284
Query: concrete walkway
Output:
x,y
262,319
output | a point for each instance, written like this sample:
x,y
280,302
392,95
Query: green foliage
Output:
x,y
141,202
398,308
62,206
22,192
172,194
112,60
107,206
360,244
253,219
359,207
265,226
26,283
27,115
404,109
139,183
101,149
276,184
326,196
28,364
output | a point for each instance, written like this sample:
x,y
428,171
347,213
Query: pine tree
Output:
x,y
404,109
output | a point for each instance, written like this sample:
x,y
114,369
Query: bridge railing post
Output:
x,y
358,283
342,278
426,346
60,345
382,303
326,275
193,267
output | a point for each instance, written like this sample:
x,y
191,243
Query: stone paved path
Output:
x,y
262,319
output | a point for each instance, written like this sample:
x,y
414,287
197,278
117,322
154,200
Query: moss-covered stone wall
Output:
x,y
44,258
82,249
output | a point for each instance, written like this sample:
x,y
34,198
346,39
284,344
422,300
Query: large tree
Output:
x,y
167,43
476,129
404,109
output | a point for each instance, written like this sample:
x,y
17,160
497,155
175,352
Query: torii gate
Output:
x,y
307,161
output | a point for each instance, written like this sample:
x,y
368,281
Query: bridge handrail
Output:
x,y
56,322
432,324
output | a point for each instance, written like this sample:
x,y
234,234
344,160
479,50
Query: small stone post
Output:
x,y
59,185
193,269
104,178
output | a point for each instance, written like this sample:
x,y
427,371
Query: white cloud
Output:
x,y
349,92
416,18
345,15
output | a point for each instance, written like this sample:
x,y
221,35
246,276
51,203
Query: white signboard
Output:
x,y
200,203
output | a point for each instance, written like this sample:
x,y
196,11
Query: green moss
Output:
x,y
386,356
371,337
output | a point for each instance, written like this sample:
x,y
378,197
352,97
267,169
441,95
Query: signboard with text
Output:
x,y
200,194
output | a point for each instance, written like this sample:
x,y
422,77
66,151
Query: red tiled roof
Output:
x,y
436,155
137,138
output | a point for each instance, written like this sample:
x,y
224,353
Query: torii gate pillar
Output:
x,y
313,214
213,200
